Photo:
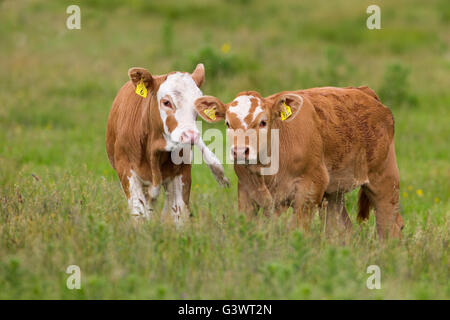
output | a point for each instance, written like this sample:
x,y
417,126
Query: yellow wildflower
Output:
x,y
226,47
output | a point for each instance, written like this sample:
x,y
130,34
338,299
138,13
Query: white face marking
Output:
x,y
242,109
183,92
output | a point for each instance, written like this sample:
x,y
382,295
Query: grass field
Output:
x,y
61,202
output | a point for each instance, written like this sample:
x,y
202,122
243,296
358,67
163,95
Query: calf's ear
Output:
x,y
286,106
138,74
199,74
210,108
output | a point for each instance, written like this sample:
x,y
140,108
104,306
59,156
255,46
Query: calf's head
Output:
x,y
249,119
173,95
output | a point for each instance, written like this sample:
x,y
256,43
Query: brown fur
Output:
x,y
341,138
134,135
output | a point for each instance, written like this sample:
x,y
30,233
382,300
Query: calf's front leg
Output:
x,y
308,197
245,203
336,216
176,204
134,191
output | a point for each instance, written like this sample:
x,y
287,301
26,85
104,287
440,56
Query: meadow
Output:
x,y
61,203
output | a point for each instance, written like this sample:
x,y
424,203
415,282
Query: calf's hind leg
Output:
x,y
383,192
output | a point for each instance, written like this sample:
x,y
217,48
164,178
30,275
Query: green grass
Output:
x,y
61,203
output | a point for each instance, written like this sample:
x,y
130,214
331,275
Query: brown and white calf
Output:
x,y
331,141
151,117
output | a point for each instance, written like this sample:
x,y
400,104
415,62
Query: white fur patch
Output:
x,y
174,203
242,109
183,91
209,156
137,203
154,191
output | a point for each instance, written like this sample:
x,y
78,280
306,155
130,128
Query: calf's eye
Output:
x,y
262,124
167,103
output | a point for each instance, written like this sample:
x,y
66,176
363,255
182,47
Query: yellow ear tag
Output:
x,y
211,113
141,89
286,112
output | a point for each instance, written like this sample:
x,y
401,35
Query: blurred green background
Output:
x,y
61,202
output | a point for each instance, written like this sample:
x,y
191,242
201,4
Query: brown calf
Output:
x,y
152,118
331,140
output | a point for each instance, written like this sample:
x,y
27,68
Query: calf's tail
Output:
x,y
363,205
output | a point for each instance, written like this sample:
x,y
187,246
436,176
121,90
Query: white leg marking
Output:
x,y
174,203
137,202
154,191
